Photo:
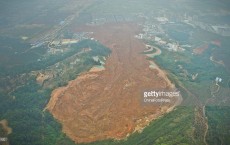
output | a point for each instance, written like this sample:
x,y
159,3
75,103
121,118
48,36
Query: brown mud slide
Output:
x,y
105,104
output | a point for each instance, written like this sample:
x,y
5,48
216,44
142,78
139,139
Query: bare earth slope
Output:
x,y
106,104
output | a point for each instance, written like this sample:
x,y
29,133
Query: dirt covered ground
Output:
x,y
107,104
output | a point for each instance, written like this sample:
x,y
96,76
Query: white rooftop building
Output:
x,y
162,19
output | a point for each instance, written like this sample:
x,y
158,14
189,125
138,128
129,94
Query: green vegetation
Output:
x,y
218,120
179,32
180,67
183,65
30,63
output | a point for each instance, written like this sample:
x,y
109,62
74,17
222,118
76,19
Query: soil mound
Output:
x,y
106,104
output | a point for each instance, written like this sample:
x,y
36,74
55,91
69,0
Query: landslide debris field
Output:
x,y
106,104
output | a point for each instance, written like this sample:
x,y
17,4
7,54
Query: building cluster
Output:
x,y
62,45
223,30
64,42
109,18
152,32
154,28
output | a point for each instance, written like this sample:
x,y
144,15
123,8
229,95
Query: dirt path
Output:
x,y
217,62
108,104
5,126
161,73
158,52
206,126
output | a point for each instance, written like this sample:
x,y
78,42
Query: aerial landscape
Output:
x,y
103,72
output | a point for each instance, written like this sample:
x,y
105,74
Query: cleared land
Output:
x,y
106,104
5,126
